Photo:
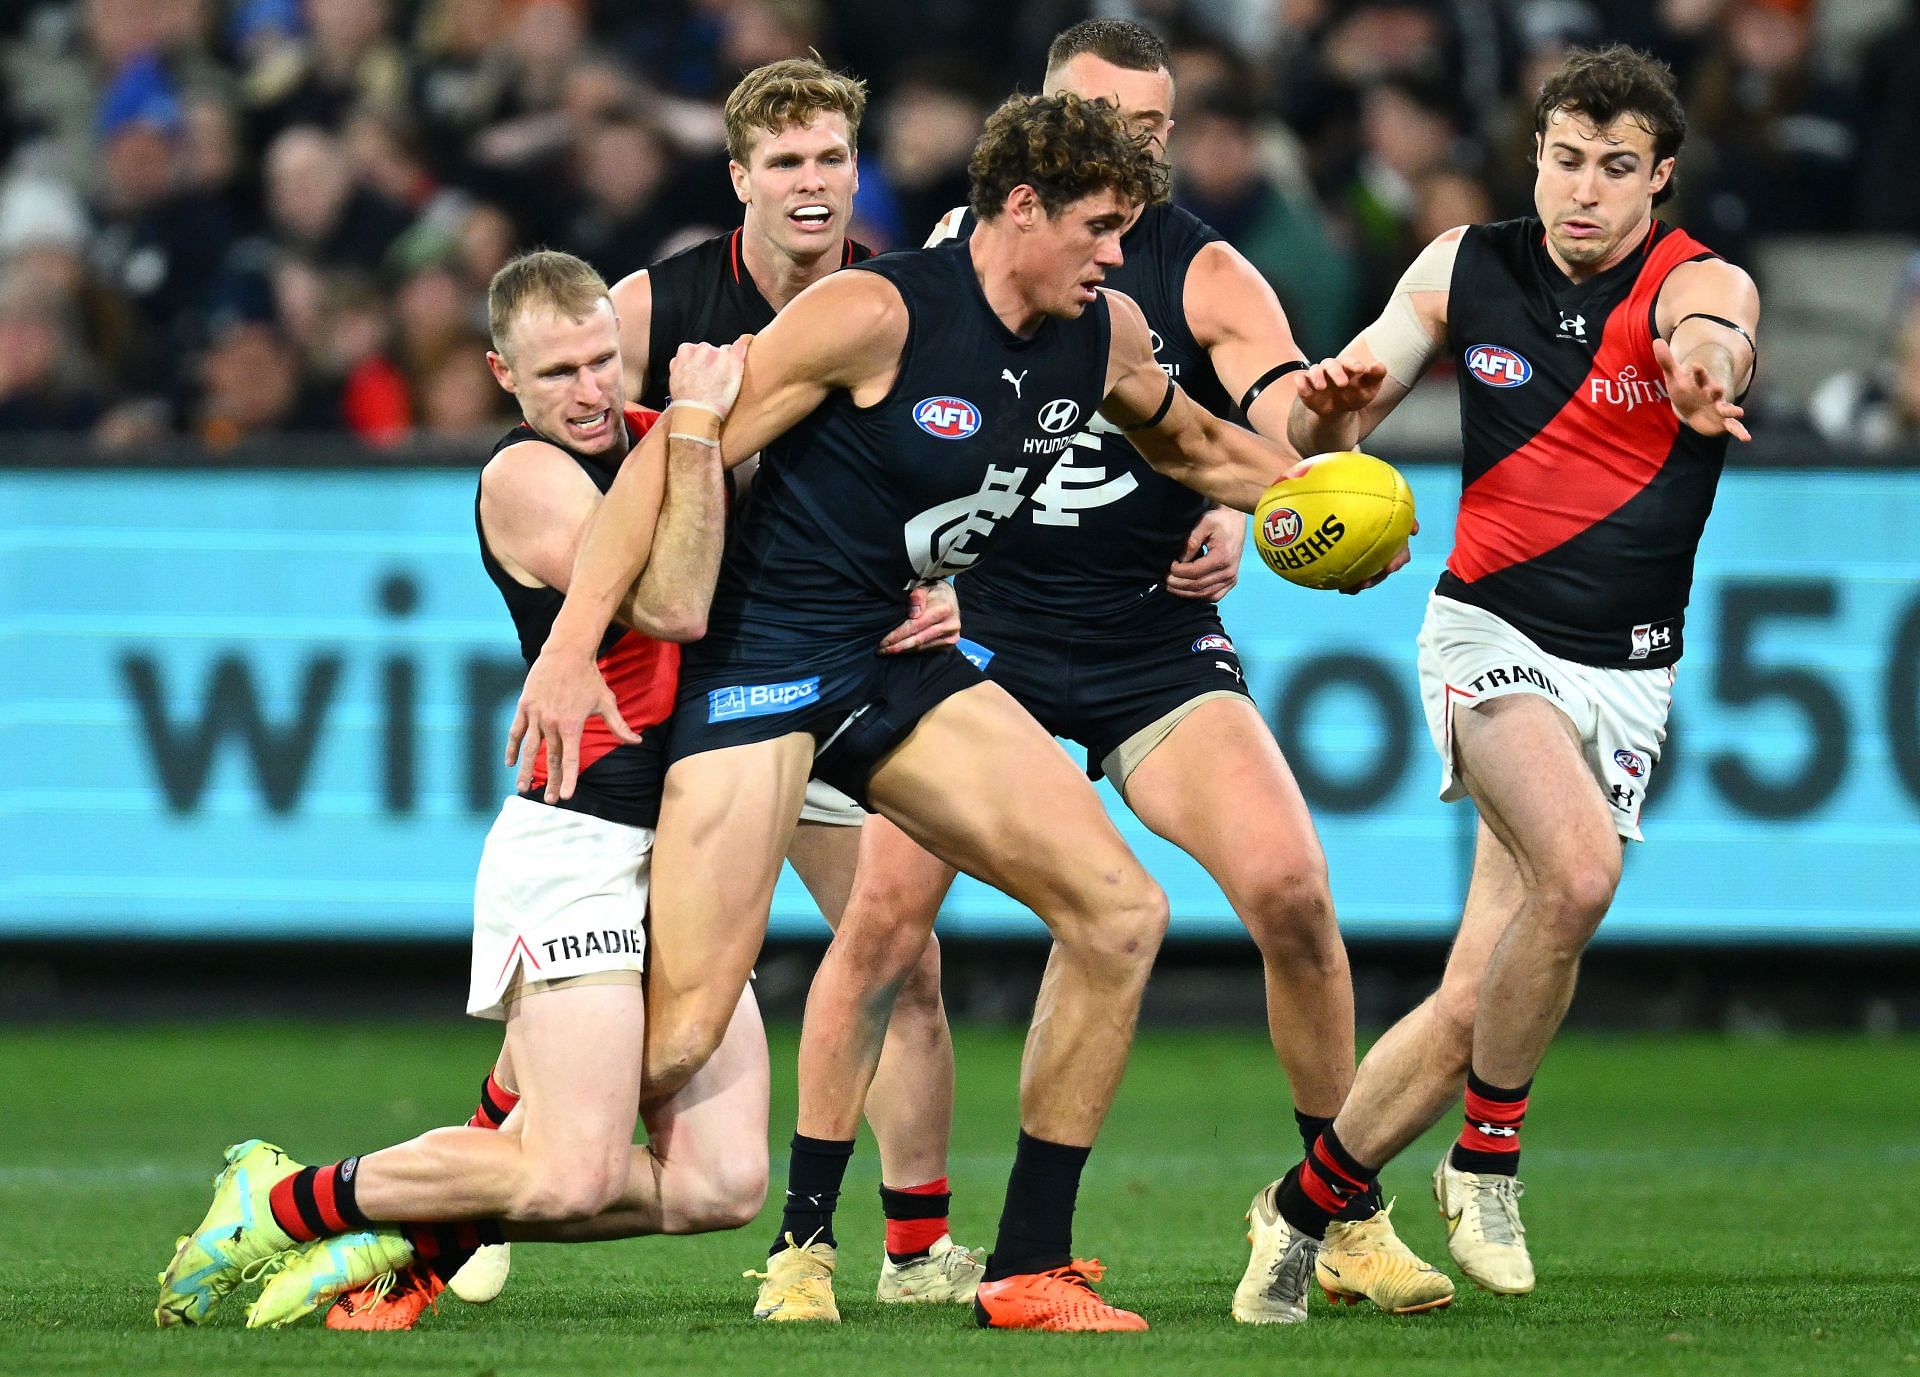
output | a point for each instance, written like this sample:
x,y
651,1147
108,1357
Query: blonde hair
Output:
x,y
545,277
793,91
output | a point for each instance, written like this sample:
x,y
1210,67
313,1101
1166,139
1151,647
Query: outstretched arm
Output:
x,y
1342,399
1708,319
1173,433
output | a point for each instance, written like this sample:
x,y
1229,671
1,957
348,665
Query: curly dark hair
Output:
x,y
1601,84
1065,148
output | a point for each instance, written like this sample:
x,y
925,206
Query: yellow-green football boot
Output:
x,y
326,1269
238,1240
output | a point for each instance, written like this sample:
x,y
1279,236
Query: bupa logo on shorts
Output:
x,y
1630,761
760,700
1213,640
1497,366
1282,527
977,655
947,418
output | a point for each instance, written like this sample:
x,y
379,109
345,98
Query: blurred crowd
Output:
x,y
227,218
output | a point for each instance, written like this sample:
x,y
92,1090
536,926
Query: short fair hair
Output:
x,y
1127,45
544,278
1066,149
791,92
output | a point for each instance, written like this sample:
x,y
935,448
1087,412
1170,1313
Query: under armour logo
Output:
x,y
1622,797
1573,326
1498,1131
1006,375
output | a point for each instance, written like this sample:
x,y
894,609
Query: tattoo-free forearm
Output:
x,y
1311,433
671,597
614,550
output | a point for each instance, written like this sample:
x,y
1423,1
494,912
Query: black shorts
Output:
x,y
857,707
1099,684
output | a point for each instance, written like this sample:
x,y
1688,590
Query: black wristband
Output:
x,y
1732,325
1261,383
1166,405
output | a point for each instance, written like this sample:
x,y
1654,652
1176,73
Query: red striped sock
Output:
x,y
317,1202
916,1217
443,1249
1322,1186
496,1102
1489,1142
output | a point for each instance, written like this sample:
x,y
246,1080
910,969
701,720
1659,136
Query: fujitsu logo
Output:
x,y
1626,389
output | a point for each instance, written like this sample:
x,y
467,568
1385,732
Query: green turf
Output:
x,y
1695,1204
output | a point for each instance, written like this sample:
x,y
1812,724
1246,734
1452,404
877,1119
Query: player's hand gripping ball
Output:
x,y
1338,524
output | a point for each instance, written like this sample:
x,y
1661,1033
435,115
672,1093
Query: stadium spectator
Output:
x,y
44,382
1223,182
250,386
1889,193
315,206
928,126
622,210
1782,139
1877,409
344,58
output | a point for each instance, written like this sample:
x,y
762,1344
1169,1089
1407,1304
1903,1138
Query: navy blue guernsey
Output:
x,y
1101,529
705,295
1583,496
853,504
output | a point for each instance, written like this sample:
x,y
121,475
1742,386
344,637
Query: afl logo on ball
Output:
x,y
1631,762
1213,640
1497,366
1282,527
947,418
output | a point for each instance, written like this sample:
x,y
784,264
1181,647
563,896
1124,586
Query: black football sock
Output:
x,y
1036,1225
815,1169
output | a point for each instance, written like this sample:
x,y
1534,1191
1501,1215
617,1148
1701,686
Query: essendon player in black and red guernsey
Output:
x,y
1600,354
560,899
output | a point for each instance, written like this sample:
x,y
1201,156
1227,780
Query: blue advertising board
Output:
x,y
266,704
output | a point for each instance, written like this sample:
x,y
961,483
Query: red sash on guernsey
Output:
x,y
1592,457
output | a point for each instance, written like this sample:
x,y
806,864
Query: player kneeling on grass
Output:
x,y
560,898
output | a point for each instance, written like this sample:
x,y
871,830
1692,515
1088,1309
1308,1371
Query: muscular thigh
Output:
x,y
1522,762
569,1101
981,785
1218,787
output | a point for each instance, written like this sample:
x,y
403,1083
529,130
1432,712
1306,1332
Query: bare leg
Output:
x,y
1545,864
1219,789
910,1103
1050,845
726,819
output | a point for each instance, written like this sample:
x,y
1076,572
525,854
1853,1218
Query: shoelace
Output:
x,y
1082,1272
1293,1268
265,1267
1500,1223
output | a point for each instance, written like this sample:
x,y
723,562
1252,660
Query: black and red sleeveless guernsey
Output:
x,y
618,782
1583,496
705,295
1099,533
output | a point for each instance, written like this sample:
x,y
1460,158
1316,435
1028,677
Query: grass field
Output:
x,y
1694,1204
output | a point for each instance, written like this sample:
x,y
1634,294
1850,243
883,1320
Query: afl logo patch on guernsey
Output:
x,y
1281,528
1631,762
1213,640
1497,366
947,418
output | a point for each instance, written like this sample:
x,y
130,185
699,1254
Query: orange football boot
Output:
x,y
1059,1300
392,1300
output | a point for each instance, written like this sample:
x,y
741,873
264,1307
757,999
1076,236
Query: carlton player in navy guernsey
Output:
x,y
888,457
1599,353
792,133
1076,617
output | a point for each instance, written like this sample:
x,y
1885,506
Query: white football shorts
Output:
x,y
1469,655
560,894
828,805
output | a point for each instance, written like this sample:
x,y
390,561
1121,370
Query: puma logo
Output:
x,y
1006,375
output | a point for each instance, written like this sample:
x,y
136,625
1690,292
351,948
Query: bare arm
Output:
x,y
633,306
1187,443
1709,318
1342,400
